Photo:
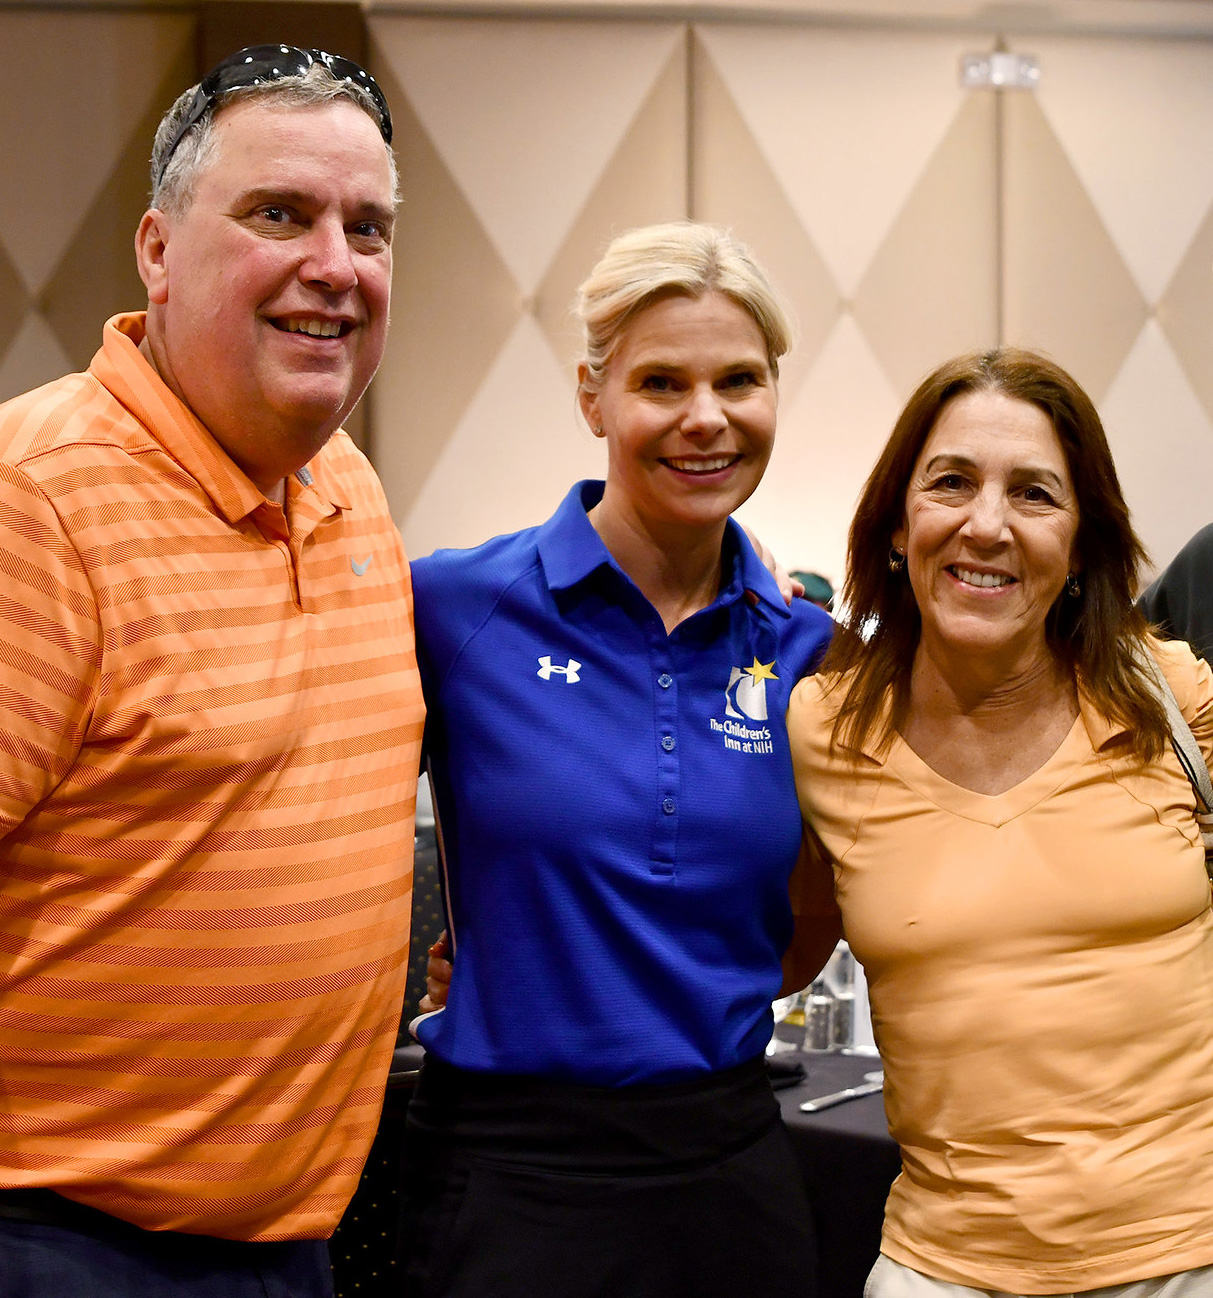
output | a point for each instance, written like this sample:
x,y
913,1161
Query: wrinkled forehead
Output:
x,y
981,423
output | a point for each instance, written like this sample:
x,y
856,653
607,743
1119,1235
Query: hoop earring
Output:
x,y
1073,589
897,560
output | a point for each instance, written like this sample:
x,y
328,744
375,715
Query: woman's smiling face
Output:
x,y
990,524
687,408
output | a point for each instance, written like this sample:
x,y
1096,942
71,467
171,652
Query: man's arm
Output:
x,y
818,921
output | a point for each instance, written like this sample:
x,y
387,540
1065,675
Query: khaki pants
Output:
x,y
890,1279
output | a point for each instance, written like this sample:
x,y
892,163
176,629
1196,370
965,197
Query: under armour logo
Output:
x,y
360,568
570,673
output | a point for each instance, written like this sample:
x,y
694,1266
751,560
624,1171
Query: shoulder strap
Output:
x,y
1183,740
1190,757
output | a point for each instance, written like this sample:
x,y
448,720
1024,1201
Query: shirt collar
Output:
x,y
571,551
750,574
123,369
569,548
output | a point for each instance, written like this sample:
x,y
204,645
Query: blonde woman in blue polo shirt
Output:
x,y
606,737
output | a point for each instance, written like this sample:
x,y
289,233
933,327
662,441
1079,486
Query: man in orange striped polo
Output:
x,y
210,722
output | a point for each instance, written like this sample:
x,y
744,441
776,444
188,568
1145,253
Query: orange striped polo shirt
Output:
x,y
210,723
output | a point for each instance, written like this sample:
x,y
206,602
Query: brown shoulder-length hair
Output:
x,y
1099,635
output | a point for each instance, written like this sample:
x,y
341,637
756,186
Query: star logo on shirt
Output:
x,y
745,696
761,672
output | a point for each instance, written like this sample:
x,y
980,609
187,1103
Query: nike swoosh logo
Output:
x,y
360,568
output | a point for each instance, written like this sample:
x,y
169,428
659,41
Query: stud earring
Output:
x,y
1073,588
897,560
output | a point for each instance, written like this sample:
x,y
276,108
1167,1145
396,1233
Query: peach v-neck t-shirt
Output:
x,y
1040,965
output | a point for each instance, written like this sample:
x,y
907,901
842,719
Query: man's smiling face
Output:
x,y
268,296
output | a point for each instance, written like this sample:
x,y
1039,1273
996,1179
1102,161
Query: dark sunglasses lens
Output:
x,y
257,63
347,70
261,63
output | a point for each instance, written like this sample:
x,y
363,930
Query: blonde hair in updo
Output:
x,y
686,258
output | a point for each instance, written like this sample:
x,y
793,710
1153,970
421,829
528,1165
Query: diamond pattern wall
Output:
x,y
931,289
886,172
904,218
1109,257
735,185
453,307
76,175
1186,309
1068,290
538,141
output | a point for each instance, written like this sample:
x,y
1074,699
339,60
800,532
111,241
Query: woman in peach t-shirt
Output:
x,y
1015,856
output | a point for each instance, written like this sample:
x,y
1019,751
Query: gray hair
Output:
x,y
687,258
177,186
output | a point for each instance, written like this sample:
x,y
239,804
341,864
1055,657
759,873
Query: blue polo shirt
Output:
x,y
616,805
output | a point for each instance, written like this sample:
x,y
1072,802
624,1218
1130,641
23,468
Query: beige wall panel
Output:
x,y
106,70
15,303
1066,289
644,182
829,437
1109,241
33,357
454,304
75,181
733,185
1135,119
847,119
96,275
512,458
1186,314
1161,437
526,115
932,291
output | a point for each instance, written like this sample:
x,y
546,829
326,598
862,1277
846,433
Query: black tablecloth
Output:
x,y
849,1161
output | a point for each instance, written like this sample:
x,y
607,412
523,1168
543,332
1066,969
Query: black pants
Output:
x,y
517,1187
51,1248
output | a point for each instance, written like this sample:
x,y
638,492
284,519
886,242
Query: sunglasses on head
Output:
x,y
260,64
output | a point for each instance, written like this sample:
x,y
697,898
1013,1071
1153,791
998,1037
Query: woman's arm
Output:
x,y
818,922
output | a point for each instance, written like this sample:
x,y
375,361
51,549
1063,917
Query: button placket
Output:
x,y
307,514
270,521
665,834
